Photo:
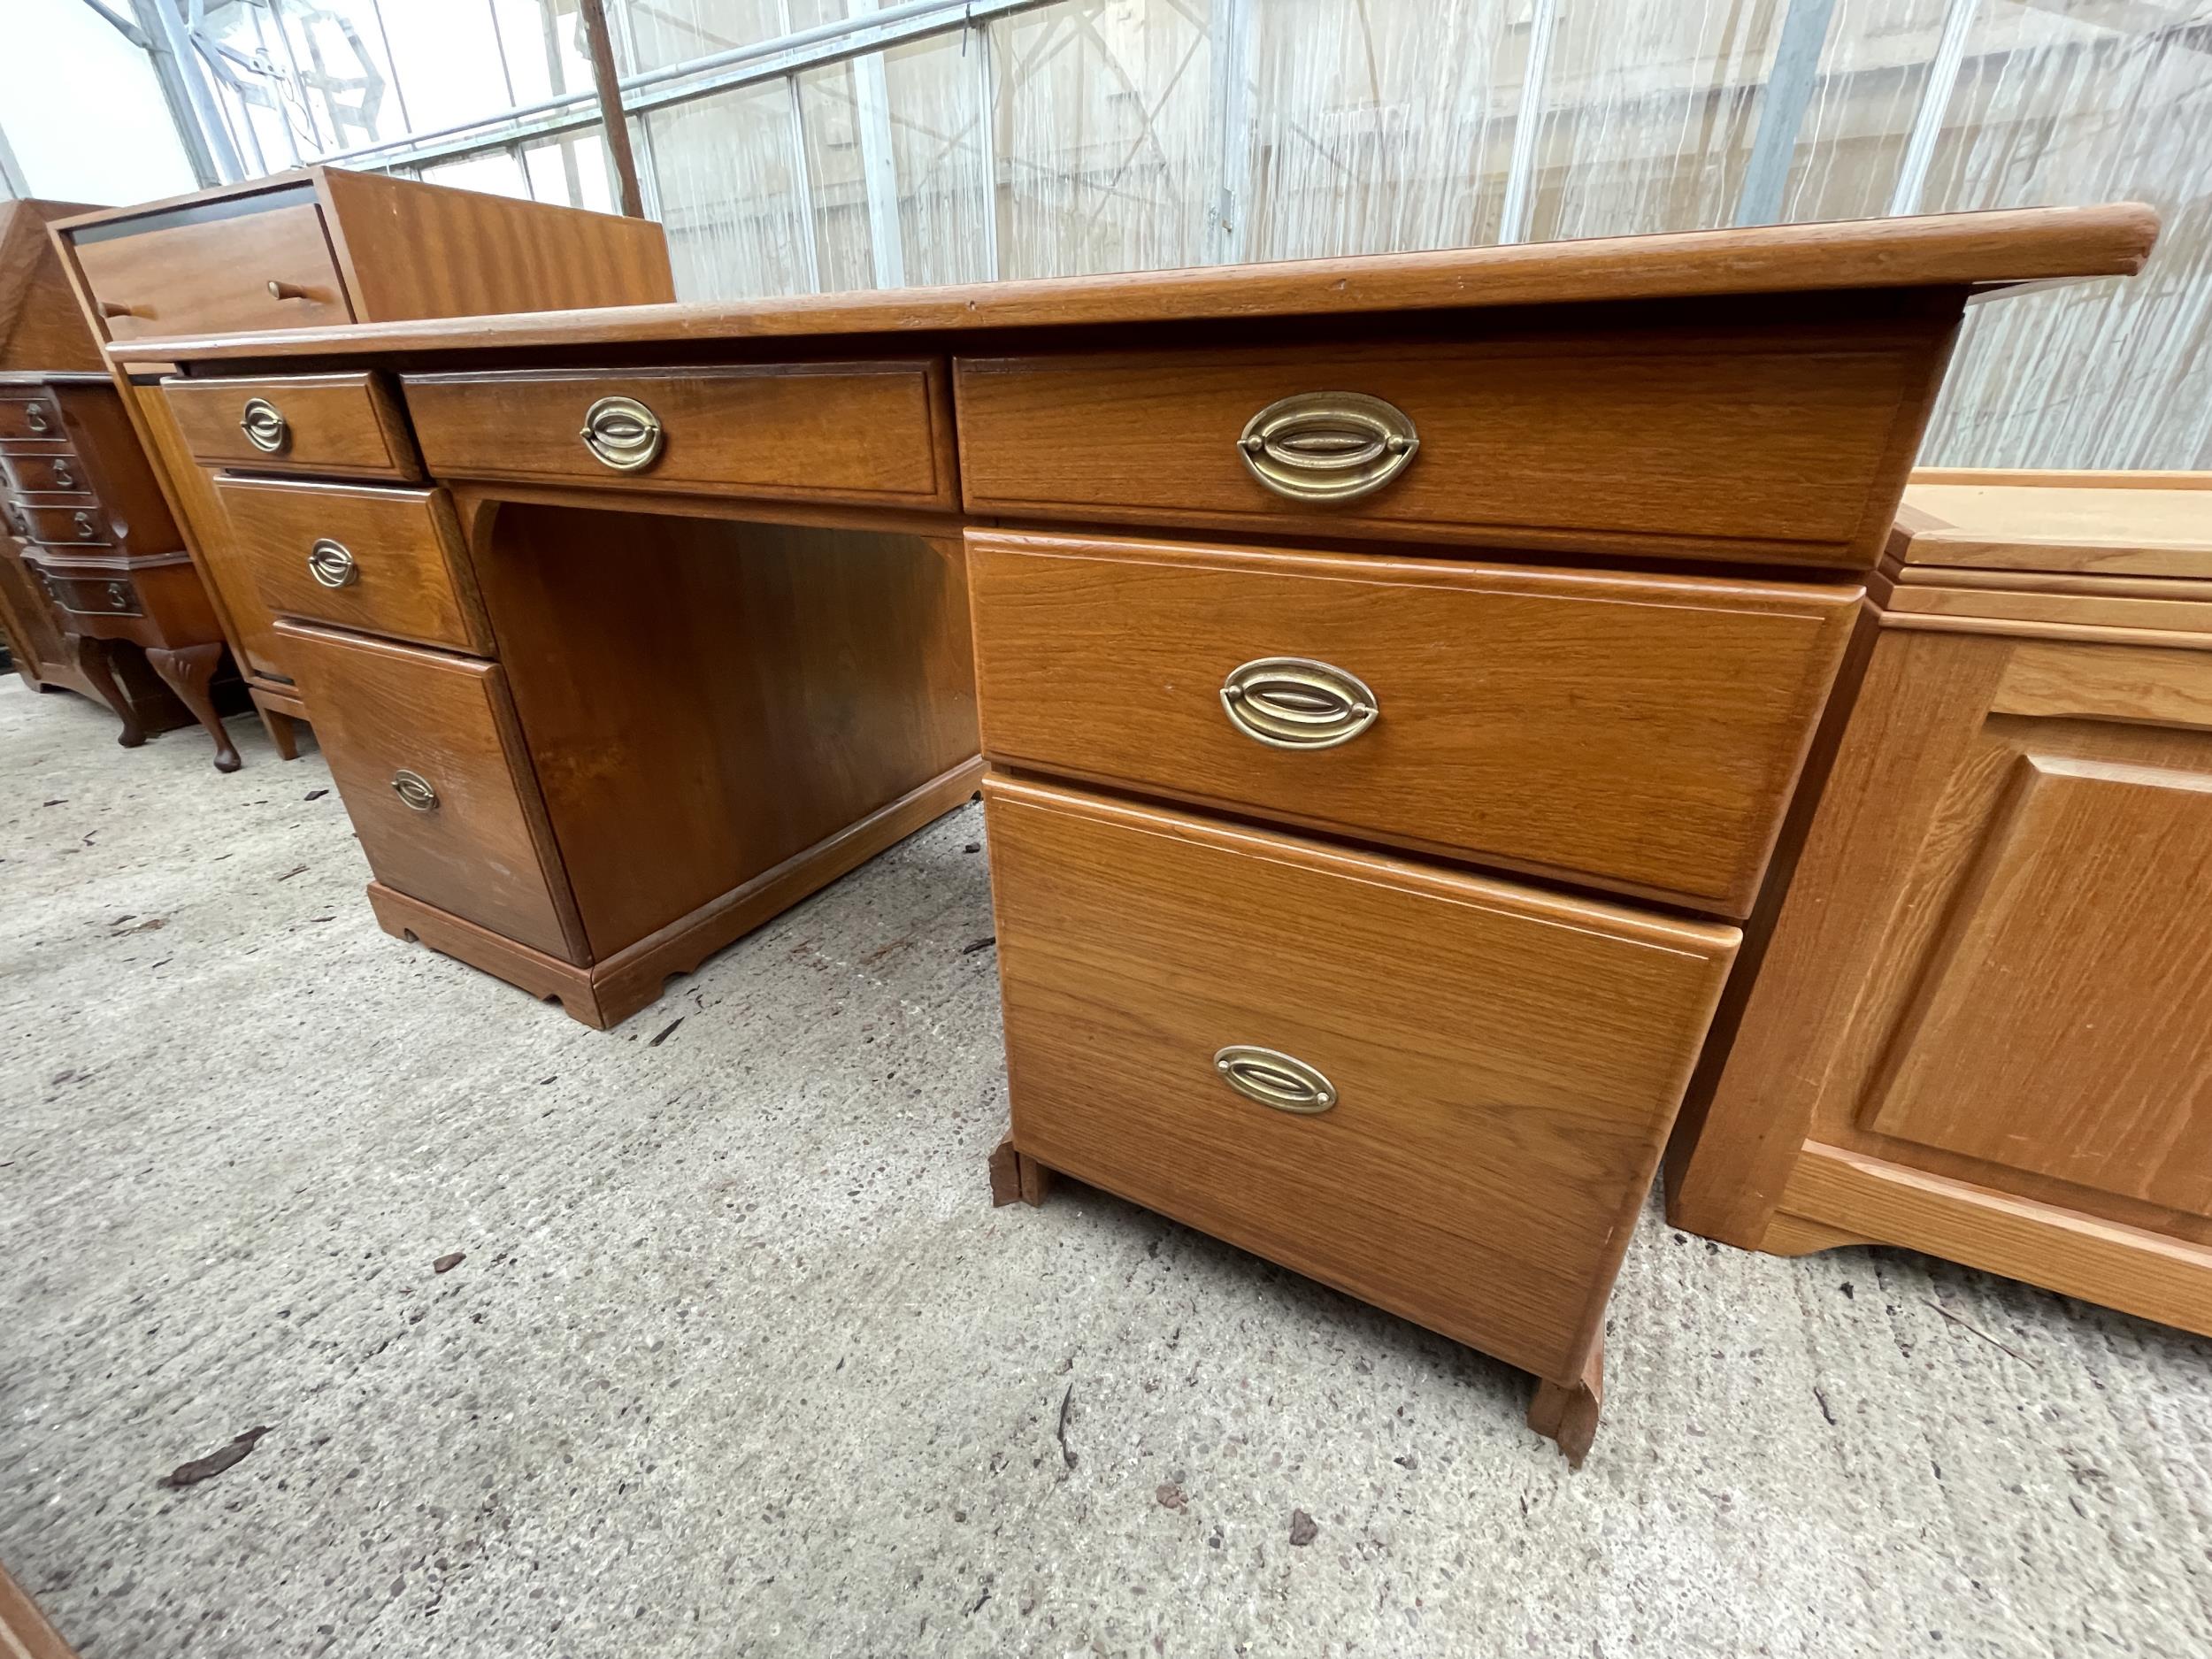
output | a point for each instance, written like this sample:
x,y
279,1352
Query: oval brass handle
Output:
x,y
331,563
265,427
287,291
623,433
1326,447
64,478
415,790
34,418
87,531
1275,1078
1295,702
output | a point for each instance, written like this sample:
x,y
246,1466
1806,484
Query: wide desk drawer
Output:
x,y
1641,732
875,433
347,426
428,756
380,560
1775,447
1441,1093
234,268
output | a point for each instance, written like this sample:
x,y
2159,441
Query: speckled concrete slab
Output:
x,y
738,1359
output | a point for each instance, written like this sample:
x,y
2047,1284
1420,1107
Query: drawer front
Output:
x,y
1644,732
65,523
88,593
240,273
1771,448
36,417
400,724
59,472
345,424
380,560
878,433
1493,1070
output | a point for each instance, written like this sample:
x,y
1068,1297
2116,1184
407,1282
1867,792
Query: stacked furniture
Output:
x,y
315,250
97,590
1395,676
1980,1028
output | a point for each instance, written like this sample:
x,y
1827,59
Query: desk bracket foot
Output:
x,y
1568,1412
1013,1176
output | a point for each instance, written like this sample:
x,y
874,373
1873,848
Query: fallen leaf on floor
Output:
x,y
315,794
667,1032
973,847
984,943
63,801
1303,1530
151,924
60,1077
208,1467
296,869
1066,1400
1170,1495
447,1263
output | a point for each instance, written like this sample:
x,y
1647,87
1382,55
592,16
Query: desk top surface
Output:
x,y
1953,250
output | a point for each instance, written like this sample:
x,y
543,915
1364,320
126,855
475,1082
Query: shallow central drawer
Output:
x,y
1441,1093
877,433
428,756
384,560
1641,732
237,267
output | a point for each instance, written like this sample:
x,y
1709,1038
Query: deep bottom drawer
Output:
x,y
428,756
1442,1093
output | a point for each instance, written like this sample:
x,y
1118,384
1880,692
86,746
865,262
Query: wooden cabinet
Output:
x,y
1368,872
1980,1027
317,250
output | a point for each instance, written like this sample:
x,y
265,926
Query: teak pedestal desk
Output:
x,y
1394,676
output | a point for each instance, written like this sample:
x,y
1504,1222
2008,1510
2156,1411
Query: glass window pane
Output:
x,y
730,193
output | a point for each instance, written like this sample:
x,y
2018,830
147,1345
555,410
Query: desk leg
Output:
x,y
283,730
187,669
1568,1413
1014,1177
92,658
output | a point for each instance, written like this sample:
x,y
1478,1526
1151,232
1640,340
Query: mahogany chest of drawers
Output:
x,y
1394,677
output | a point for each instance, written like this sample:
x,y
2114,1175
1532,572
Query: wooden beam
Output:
x,y
609,83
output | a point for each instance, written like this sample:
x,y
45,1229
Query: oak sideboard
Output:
x,y
1388,680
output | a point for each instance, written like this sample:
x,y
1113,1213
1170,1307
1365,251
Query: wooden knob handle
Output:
x,y
287,291
113,308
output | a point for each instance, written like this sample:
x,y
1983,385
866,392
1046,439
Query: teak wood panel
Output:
x,y
1505,1063
483,852
249,623
1644,732
752,690
346,425
1789,446
42,327
412,578
1953,252
214,276
875,432
410,250
1989,967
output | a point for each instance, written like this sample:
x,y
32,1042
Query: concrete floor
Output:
x,y
741,1360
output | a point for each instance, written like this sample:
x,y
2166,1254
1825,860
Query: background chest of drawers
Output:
x,y
1394,677
1981,1026
315,250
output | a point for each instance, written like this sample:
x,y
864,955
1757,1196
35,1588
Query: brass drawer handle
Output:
x,y
415,790
1295,702
87,531
1274,1078
623,433
330,564
34,418
265,427
64,478
119,596
1328,447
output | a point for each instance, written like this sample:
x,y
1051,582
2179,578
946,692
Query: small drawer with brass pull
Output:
x,y
1441,1093
428,754
55,475
344,426
870,433
36,418
1753,443
1642,732
378,558
62,523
